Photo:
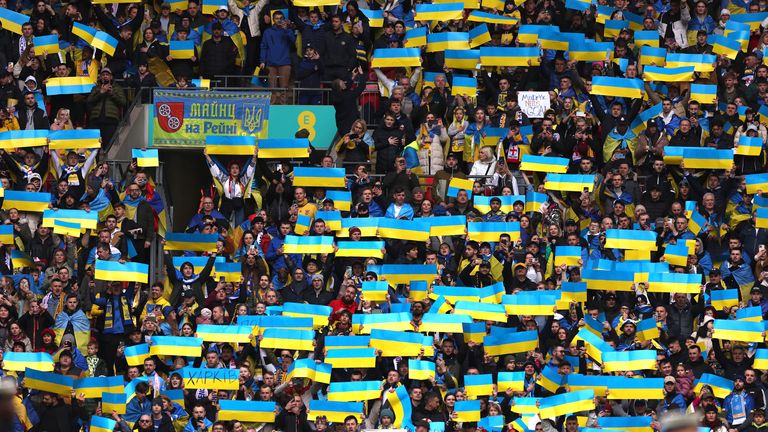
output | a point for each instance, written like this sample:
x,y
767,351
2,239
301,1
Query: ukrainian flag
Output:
x,y
544,164
485,17
203,83
228,333
742,37
83,32
415,38
420,369
284,148
335,412
530,303
351,358
550,380
321,177
700,62
568,255
355,391
457,184
668,74
301,368
113,402
19,361
246,411
595,345
446,225
368,226
534,201
285,323
510,56
674,283
753,19
676,255
636,388
472,331
439,12
361,249
570,182
406,273
308,245
23,138
175,346
302,224
195,242
752,313
708,158
479,36
650,55
761,217
647,330
478,385
578,5
512,343
639,123
618,87
12,21
447,40
48,382
525,405
462,59
6,234
136,354
481,311
529,33
231,145
393,343
743,331
182,50
400,403
492,293
647,38
722,299
288,339
761,359
102,424
105,42
418,290
75,139
578,382
591,51
318,313
230,272
332,218
400,321
622,361
464,86
482,203
674,155
66,228
95,386
43,44
551,39
628,424
749,146
26,201
467,410
401,229
375,17
704,93
395,57
630,239
444,323
567,403
725,46
454,294
756,182
510,380
491,231
721,387
211,6
614,27
375,290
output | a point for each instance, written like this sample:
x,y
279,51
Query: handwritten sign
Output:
x,y
533,103
219,379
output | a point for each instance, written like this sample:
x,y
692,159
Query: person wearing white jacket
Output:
x,y
432,135
485,166
249,13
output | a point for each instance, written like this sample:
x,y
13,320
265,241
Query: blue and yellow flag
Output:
x,y
359,249
229,272
525,405
551,38
635,388
375,290
335,412
749,146
529,33
674,283
352,358
530,303
742,331
35,202
176,346
84,32
761,217
318,313
447,40
609,280
647,38
466,86
622,361
127,272
102,424
570,182
284,148
229,333
320,177
482,203
395,57
182,50
479,36
647,329
231,145
113,402
545,164
46,44
48,382
724,298
211,6
613,28
93,387
288,339
420,369
511,344
630,239
146,158
478,385
668,74
618,87
467,410
195,242
578,382
708,158
105,42
400,404
591,51
66,228
761,359
550,380
481,311
308,245
534,201
676,255
651,55
704,93
437,322
246,411
756,182
415,38
439,12
406,273
19,361
485,17
751,313
726,46
458,184
510,380
462,59
375,17
595,345
568,255
23,138
446,225
12,20
491,231
721,387
700,62
403,229
355,391
136,354
74,139
6,234
509,56
628,424
393,343
567,403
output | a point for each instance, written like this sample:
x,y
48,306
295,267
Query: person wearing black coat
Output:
x,y
29,114
56,416
217,56
293,418
338,52
344,94
124,52
389,140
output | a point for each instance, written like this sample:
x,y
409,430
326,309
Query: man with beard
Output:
x,y
517,278
346,302
738,404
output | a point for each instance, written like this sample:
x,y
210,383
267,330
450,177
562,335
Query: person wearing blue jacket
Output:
x,y
739,404
741,271
275,252
276,46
